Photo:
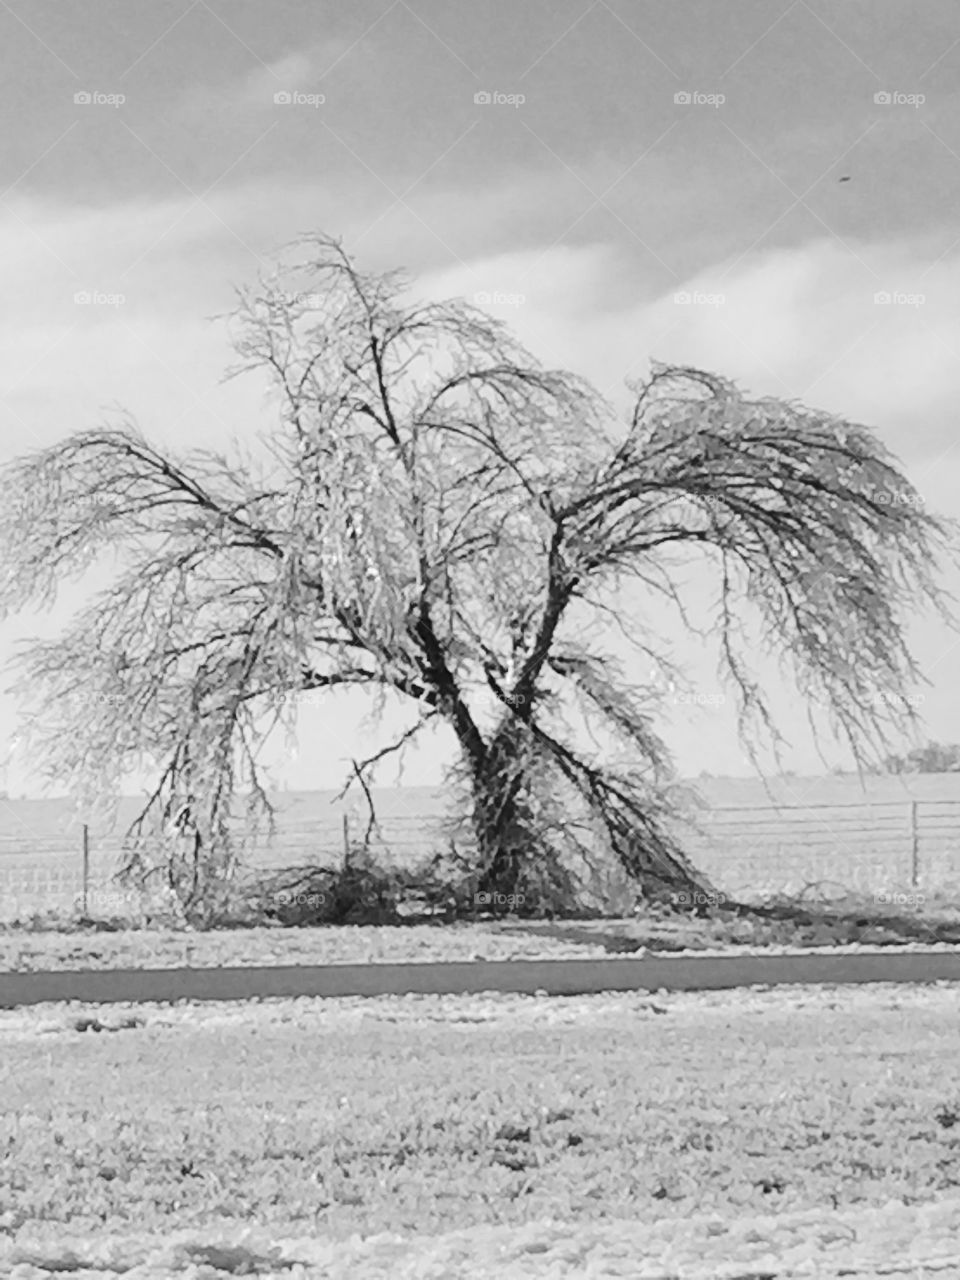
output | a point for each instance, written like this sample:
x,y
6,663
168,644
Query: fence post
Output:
x,y
86,866
914,845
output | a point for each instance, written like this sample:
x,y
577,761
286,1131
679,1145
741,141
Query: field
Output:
x,y
784,1133
744,1133
835,830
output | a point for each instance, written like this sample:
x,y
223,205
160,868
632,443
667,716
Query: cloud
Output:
x,y
110,306
797,323
868,331
254,90
802,322
289,72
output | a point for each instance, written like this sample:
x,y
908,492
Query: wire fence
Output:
x,y
866,848
78,869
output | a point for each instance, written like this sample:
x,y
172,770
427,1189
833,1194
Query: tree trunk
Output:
x,y
518,870
520,862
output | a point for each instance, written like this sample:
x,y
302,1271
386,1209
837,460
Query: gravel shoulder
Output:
x,y
38,949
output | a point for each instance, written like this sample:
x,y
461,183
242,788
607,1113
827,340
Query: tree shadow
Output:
x,y
613,943
800,923
858,918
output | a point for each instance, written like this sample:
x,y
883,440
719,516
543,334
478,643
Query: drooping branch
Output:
x,y
814,528
440,512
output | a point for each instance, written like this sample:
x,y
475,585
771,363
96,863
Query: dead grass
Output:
x,y
32,950
49,942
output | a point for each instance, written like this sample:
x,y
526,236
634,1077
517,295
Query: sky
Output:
x,y
766,190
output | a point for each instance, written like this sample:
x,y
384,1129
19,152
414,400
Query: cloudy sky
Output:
x,y
779,164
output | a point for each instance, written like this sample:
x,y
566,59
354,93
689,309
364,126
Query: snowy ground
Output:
x,y
893,1241
778,1133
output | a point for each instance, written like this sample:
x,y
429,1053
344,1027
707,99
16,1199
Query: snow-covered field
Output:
x,y
913,1243
780,1133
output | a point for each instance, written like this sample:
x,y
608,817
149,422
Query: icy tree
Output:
x,y
435,514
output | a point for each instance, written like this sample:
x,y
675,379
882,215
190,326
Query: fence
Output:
x,y
746,851
77,869
864,847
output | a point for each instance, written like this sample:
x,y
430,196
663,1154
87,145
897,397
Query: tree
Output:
x,y
935,757
435,514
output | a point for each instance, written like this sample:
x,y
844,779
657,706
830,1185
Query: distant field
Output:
x,y
863,836
829,789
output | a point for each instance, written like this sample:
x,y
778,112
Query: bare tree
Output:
x,y
435,514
